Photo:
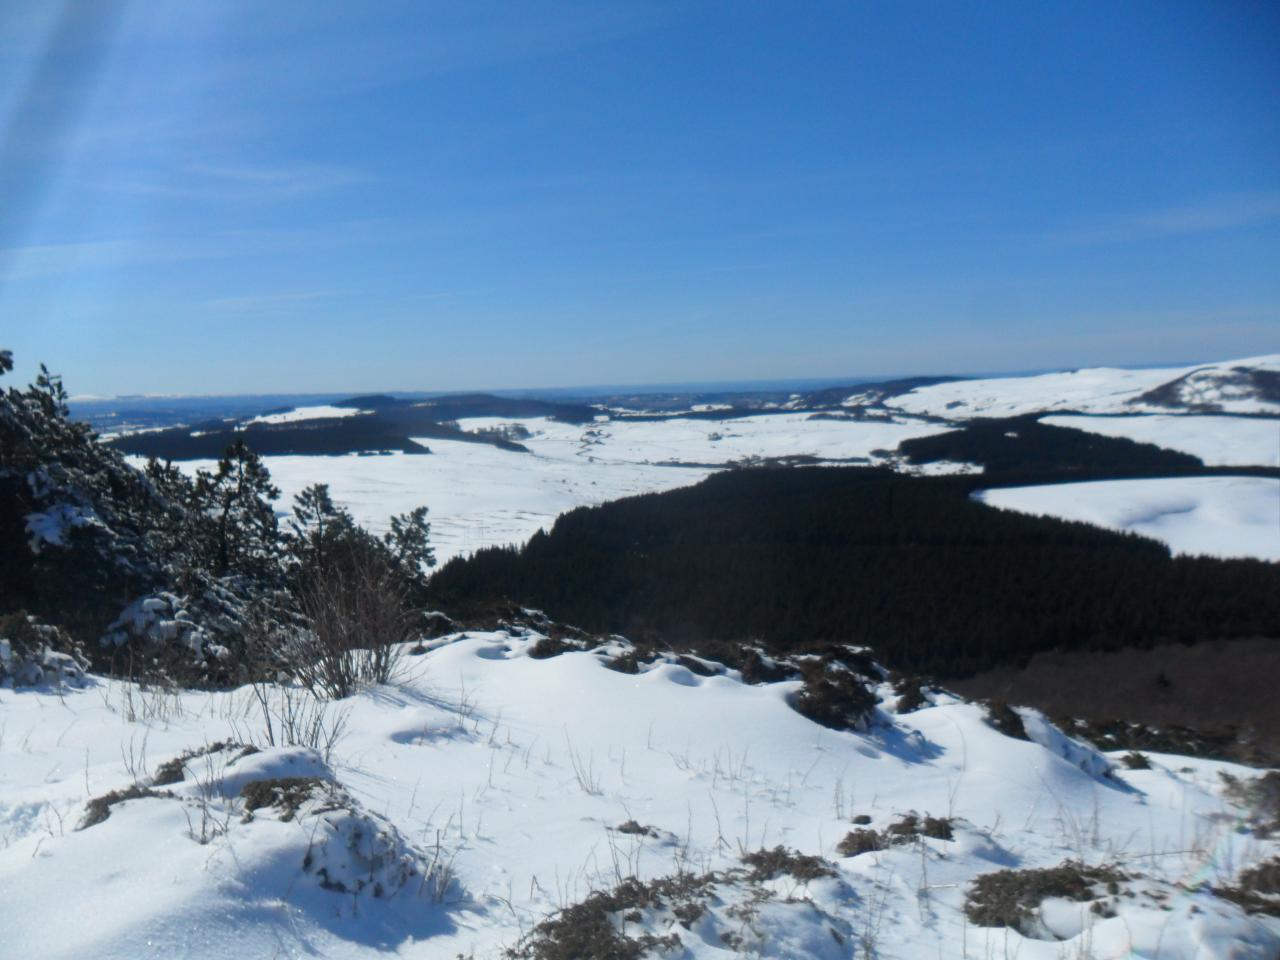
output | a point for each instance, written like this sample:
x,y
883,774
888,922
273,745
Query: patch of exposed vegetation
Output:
x,y
913,693
596,928
910,826
906,829
1260,797
633,828
547,647
767,864
174,770
1002,717
1225,744
836,695
1135,761
860,841
1012,898
696,666
99,808
1257,890
286,794
624,663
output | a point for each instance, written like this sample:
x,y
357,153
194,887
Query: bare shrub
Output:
x,y
358,614
1258,889
1260,797
767,864
296,717
1011,898
1134,760
860,841
596,928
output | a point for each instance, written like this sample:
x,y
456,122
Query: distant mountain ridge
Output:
x,y
383,423
1248,386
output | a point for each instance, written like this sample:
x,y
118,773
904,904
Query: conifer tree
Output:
x,y
409,541
238,496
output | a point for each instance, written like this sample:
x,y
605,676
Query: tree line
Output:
x,y
932,580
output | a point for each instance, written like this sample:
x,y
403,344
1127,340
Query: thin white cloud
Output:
x,y
239,182
1208,215
267,302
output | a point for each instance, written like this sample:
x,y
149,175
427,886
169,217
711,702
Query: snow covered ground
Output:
x,y
486,789
1092,390
480,495
690,441
1218,441
1216,516
324,411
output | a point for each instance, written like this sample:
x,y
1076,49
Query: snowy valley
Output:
x,y
521,788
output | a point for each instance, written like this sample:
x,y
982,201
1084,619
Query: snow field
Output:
x,y
514,773
1212,516
1218,441
482,496
1092,390
321,412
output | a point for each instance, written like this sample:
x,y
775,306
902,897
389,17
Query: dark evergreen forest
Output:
x,y
915,568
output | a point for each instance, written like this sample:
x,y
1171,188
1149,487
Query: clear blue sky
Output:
x,y
224,196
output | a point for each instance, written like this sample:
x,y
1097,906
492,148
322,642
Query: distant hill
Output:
x,y
1245,387
376,424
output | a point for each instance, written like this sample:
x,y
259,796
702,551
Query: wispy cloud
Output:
x,y
239,182
268,302
1208,215
35,261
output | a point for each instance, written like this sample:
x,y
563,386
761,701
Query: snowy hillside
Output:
x,y
1218,441
1213,516
461,807
1234,386
321,412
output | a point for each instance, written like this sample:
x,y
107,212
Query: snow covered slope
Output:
x,y
488,789
1216,516
322,412
1227,387
1218,441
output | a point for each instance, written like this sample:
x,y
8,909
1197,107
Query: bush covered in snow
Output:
x,y
33,653
156,573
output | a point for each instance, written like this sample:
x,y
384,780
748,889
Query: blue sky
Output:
x,y
214,196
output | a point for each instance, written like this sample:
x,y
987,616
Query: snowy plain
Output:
x,y
298,414
1211,516
515,774
1218,441
480,495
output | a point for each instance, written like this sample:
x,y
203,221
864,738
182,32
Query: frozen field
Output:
x,y
1218,441
481,496
298,414
478,495
1215,516
485,790
679,440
